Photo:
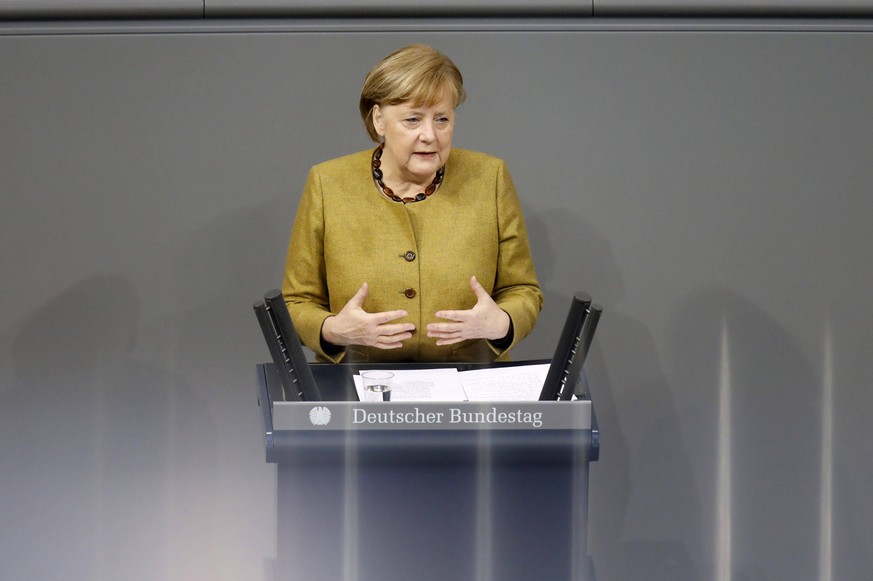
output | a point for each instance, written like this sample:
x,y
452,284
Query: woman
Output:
x,y
413,251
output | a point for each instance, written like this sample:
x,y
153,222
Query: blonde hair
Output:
x,y
416,73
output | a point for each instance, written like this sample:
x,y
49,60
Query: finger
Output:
x,y
454,337
482,295
388,344
397,329
479,290
459,316
449,341
386,341
388,316
358,299
444,328
443,335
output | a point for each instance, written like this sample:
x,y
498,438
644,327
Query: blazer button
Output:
x,y
410,293
409,256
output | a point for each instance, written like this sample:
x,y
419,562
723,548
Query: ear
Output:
x,y
378,121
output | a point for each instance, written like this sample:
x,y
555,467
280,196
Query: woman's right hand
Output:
x,y
355,326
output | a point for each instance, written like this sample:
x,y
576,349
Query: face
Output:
x,y
418,139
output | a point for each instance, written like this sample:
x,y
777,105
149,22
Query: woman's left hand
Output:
x,y
484,321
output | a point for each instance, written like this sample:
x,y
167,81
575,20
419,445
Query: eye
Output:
x,y
442,121
412,121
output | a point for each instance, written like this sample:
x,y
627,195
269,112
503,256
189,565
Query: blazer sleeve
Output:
x,y
304,286
516,288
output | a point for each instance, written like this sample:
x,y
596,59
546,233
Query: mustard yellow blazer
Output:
x,y
418,257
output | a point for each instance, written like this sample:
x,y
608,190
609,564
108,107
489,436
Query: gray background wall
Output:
x,y
707,182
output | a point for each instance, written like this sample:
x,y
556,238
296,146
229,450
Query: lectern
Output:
x,y
427,491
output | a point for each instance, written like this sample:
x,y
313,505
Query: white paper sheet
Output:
x,y
516,383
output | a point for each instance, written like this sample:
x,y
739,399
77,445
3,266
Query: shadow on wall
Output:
x,y
222,267
106,461
569,257
210,336
643,513
655,492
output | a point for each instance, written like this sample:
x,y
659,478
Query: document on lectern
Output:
x,y
517,383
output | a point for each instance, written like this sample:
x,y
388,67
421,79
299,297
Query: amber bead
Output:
x,y
378,175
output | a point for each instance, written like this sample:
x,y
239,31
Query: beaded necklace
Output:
x,y
389,193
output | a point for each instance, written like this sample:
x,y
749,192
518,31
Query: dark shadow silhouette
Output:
x,y
107,462
642,486
215,340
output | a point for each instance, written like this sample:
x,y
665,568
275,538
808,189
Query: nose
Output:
x,y
428,131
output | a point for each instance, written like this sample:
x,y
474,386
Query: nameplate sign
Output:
x,y
540,415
